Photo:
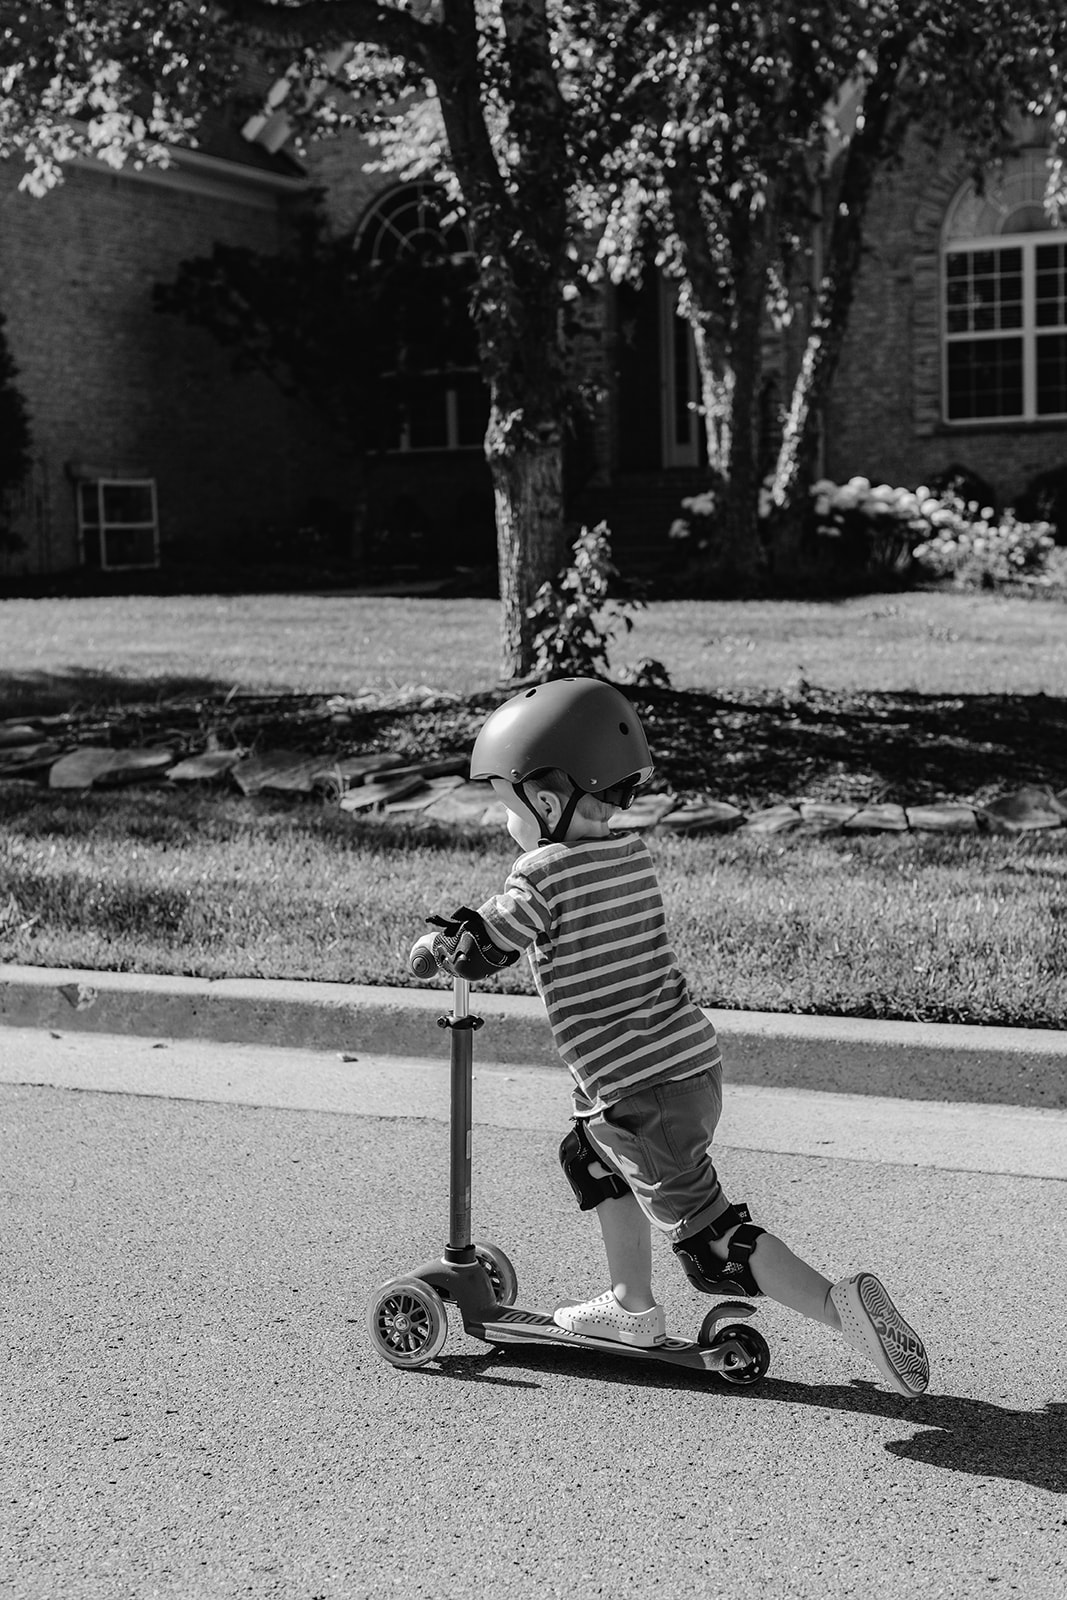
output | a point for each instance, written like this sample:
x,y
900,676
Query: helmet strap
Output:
x,y
559,832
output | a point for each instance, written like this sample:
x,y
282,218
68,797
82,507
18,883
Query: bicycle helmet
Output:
x,y
581,725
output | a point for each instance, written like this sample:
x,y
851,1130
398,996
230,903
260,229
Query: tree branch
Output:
x,y
329,23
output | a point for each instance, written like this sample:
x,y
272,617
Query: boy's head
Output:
x,y
545,797
575,740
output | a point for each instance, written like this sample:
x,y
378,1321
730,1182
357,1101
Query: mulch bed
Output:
x,y
751,749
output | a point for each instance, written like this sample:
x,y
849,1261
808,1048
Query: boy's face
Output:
x,y
522,825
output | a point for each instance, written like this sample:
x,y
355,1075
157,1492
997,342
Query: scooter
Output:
x,y
408,1320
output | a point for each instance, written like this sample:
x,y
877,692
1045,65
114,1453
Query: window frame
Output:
x,y
1027,333
102,526
376,228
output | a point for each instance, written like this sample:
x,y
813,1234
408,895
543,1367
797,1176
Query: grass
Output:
x,y
98,651
918,926
968,929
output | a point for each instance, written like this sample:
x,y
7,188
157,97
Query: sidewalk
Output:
x,y
916,1061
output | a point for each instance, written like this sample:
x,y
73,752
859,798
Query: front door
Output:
x,y
683,433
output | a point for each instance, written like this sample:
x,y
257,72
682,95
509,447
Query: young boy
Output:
x,y
584,903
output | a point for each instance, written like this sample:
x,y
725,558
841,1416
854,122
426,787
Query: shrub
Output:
x,y
1045,500
581,610
957,482
967,542
877,528
980,551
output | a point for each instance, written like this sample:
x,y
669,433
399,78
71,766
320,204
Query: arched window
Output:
x,y
1005,300
420,258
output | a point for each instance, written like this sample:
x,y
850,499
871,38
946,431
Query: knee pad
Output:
x,y
706,1270
580,1160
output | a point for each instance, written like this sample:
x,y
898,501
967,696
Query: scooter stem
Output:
x,y
461,1025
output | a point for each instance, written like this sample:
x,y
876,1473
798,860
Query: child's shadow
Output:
x,y
957,1434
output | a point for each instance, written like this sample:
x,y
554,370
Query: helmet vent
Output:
x,y
623,728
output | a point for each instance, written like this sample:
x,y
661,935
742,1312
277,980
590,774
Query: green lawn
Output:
x,y
914,926
964,929
94,650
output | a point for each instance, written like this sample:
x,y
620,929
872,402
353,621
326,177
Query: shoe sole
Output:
x,y
878,1328
615,1335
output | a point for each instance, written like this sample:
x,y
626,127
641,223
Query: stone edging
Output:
x,y
378,784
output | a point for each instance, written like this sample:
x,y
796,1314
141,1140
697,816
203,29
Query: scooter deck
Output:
x,y
513,1325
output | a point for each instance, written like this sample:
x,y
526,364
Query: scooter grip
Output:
x,y
422,960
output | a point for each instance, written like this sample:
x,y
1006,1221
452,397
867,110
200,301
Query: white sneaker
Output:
x,y
605,1318
875,1328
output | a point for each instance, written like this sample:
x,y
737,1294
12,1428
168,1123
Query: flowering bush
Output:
x,y
879,524
969,543
980,551
867,531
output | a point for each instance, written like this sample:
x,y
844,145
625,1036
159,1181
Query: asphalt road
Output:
x,y
191,1407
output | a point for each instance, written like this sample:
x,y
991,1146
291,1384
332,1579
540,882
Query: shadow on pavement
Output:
x,y
957,1434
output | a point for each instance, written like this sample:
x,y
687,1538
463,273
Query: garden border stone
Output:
x,y
373,783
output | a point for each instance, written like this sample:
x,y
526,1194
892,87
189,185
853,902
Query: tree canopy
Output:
x,y
579,138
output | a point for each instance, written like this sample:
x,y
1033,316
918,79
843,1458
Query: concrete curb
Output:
x,y
920,1061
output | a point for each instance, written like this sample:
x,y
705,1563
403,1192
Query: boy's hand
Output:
x,y
463,947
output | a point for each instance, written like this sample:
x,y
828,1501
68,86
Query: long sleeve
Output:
x,y
518,916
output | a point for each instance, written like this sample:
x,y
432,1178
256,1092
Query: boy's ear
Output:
x,y
550,806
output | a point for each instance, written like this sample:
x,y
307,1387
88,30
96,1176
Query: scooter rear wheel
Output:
x,y
744,1369
502,1277
408,1322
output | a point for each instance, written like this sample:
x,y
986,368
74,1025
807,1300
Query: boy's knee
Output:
x,y
589,1176
716,1259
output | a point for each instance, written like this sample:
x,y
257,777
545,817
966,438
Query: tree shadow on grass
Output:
x,y
948,1431
44,694
752,748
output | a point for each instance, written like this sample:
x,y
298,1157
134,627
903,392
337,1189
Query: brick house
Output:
x,y
956,357
957,345
145,445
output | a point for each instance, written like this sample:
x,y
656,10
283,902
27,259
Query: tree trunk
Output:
x,y
730,381
527,478
519,229
868,149
741,509
716,398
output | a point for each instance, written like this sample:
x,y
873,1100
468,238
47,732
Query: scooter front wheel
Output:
x,y
747,1367
408,1323
505,1284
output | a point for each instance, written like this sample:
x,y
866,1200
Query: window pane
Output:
x,y
472,407
985,379
427,415
127,502
91,548
130,547
1052,375
957,300
984,290
1050,286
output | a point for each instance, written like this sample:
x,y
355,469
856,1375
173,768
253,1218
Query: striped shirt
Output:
x,y
590,917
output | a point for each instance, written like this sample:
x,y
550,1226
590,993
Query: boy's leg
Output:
x,y
628,1247
858,1307
627,1311
784,1277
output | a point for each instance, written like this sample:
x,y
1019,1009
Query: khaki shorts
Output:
x,y
658,1141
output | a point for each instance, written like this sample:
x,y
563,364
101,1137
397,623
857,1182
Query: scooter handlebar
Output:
x,y
422,961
